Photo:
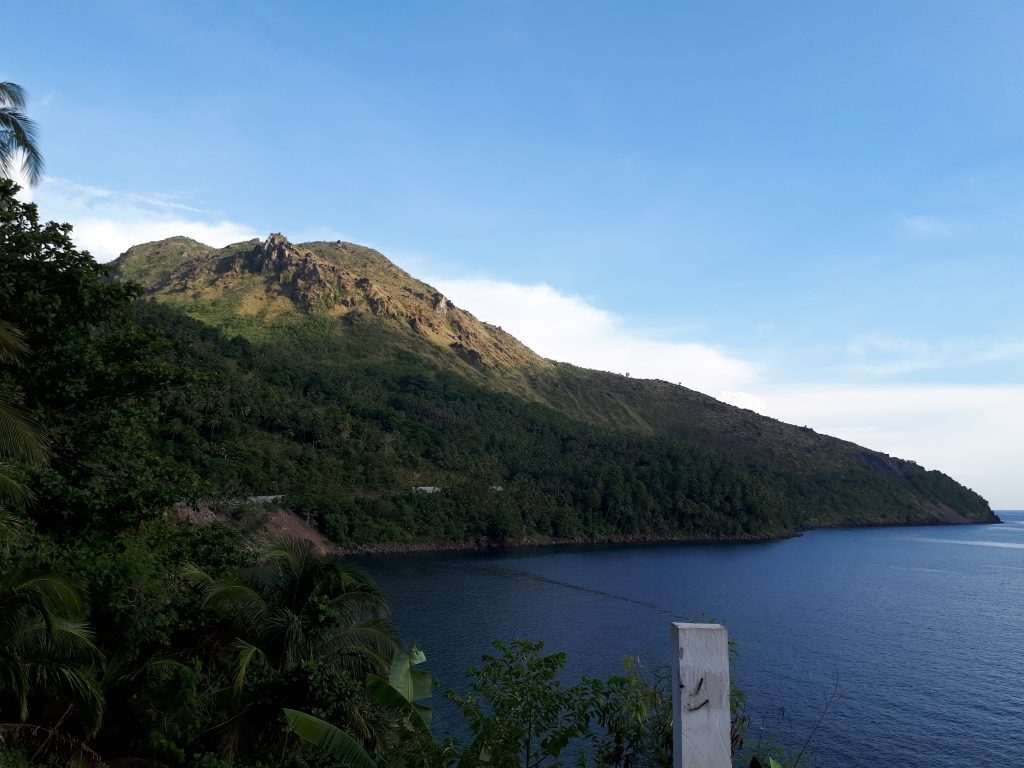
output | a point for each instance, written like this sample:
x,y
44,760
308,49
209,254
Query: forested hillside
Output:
x,y
331,376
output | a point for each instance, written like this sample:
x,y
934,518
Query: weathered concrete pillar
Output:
x,y
700,697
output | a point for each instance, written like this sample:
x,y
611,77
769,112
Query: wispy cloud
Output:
x,y
571,329
108,222
927,227
888,357
746,400
970,432
42,101
1001,351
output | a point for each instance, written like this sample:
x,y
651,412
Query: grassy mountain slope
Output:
x,y
351,382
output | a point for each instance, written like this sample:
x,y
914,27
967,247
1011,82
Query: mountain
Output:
x,y
343,383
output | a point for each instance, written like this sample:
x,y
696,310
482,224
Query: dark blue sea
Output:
x,y
921,628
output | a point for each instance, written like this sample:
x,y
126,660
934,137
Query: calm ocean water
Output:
x,y
923,628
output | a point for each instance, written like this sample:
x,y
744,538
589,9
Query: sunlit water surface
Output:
x,y
923,628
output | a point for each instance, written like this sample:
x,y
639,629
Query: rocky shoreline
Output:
x,y
485,544
278,521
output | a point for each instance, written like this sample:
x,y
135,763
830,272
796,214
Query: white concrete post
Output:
x,y
700,697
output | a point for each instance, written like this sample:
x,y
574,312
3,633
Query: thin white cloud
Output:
x,y
927,227
971,432
743,400
43,101
1002,351
107,223
570,329
886,357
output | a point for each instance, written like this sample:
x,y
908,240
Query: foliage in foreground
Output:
x,y
290,660
129,635
521,714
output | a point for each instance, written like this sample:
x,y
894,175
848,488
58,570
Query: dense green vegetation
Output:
x,y
330,376
130,637
347,444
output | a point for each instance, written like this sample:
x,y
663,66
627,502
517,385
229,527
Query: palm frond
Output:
x,y
297,565
58,594
12,492
362,648
54,746
19,141
12,95
20,438
195,574
74,685
74,640
13,679
243,602
56,658
364,601
12,344
12,527
162,670
287,631
246,655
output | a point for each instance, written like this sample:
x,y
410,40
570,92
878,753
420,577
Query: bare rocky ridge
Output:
x,y
329,278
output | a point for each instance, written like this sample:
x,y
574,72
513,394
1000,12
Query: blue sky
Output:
x,y
814,209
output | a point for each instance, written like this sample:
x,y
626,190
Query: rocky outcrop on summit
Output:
x,y
309,281
337,279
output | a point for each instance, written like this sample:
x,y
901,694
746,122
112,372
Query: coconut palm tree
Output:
x,y
46,651
294,607
20,440
18,136
297,605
